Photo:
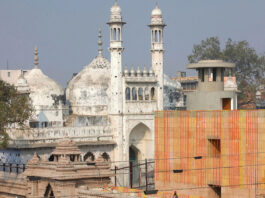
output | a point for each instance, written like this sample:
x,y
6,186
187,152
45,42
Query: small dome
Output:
x,y
132,72
138,71
151,72
115,9
126,71
156,11
144,72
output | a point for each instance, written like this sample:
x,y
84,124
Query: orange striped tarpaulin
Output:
x,y
222,148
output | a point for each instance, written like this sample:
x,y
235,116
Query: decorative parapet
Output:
x,y
147,74
50,136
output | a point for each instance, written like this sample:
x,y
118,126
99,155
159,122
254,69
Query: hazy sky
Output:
x,y
66,31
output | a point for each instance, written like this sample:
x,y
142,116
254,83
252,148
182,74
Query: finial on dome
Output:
x,y
36,58
99,42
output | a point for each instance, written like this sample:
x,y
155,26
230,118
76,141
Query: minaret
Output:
x,y
157,51
36,58
116,50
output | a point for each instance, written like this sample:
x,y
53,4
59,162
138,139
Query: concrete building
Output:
x,y
11,76
212,93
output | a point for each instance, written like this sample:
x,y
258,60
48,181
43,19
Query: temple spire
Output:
x,y
99,42
36,58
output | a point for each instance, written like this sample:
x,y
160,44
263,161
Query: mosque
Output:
x,y
106,109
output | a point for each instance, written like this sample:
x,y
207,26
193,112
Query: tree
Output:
x,y
249,69
14,108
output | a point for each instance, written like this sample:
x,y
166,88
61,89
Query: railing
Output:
x,y
140,174
12,168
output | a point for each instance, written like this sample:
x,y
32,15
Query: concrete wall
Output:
x,y
200,100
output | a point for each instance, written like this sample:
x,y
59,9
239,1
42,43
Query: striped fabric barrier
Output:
x,y
219,148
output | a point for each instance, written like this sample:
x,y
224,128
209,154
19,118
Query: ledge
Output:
x,y
53,145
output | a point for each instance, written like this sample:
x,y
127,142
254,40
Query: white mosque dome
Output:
x,y
42,88
87,92
156,11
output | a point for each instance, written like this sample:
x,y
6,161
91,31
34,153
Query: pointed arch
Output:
x,y
139,140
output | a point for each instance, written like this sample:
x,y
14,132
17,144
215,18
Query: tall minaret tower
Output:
x,y
116,50
157,51
116,88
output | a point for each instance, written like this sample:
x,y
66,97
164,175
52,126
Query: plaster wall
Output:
x,y
200,100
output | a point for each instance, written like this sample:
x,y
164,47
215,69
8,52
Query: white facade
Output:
x,y
110,107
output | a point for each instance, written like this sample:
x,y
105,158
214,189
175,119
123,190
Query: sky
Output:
x,y
65,31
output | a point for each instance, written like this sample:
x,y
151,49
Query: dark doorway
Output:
x,y
226,103
134,167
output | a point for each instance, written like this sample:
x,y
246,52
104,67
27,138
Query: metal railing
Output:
x,y
140,174
12,168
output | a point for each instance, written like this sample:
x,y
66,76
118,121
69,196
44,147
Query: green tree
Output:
x,y
249,69
14,108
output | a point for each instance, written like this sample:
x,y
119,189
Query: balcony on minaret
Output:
x,y
157,46
116,44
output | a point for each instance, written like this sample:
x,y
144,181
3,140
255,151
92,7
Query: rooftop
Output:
x,y
210,64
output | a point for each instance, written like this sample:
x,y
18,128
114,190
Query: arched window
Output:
x,y
89,155
152,93
119,34
114,34
156,35
153,36
146,93
140,94
106,156
160,36
128,93
134,93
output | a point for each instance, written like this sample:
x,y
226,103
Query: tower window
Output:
x,y
156,36
214,74
222,74
119,34
8,74
202,75
114,34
